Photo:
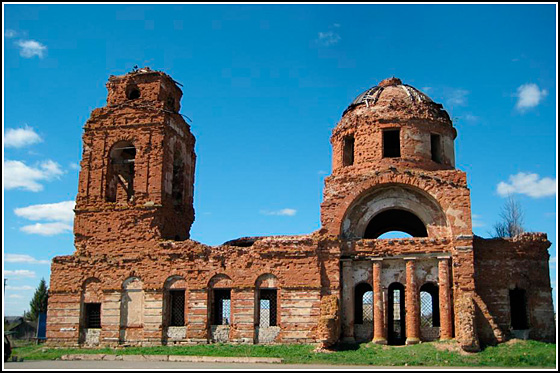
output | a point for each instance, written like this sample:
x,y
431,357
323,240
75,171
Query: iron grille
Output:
x,y
426,310
222,304
93,315
367,302
267,308
177,307
396,305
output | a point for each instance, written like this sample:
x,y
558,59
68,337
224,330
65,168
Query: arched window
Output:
x,y
267,301
395,220
363,303
132,92
429,305
90,320
518,307
396,312
120,173
178,181
174,301
220,300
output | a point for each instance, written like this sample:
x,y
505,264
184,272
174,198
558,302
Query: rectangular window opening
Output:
x,y
93,315
177,300
391,143
348,151
267,307
221,310
436,148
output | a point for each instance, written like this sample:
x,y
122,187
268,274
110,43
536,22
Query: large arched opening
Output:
x,y
395,220
394,207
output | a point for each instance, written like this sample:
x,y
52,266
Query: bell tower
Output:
x,y
137,169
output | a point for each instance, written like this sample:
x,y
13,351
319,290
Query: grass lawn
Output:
x,y
516,353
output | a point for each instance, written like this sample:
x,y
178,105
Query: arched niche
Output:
x,y
132,303
396,207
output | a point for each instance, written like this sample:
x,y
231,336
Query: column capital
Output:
x,y
409,258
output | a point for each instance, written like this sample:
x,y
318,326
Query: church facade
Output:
x,y
137,279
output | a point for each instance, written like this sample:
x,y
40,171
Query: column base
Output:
x,y
379,341
412,341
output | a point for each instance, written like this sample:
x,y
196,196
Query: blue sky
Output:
x,y
264,86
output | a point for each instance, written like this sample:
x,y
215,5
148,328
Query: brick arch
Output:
x,y
139,285
414,185
92,290
175,282
267,280
220,280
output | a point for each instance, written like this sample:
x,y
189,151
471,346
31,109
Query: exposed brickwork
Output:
x,y
134,210
500,266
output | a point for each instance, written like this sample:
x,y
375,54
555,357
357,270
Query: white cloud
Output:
x,y
31,48
457,97
18,175
529,95
20,273
17,296
329,38
19,288
61,211
528,184
74,165
22,258
8,34
471,118
47,229
20,137
282,212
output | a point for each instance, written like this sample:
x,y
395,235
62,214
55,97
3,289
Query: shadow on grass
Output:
x,y
346,346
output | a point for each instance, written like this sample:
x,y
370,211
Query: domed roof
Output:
x,y
389,90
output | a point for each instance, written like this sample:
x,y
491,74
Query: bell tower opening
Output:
x,y
395,220
120,175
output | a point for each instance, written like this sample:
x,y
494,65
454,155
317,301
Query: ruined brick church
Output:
x,y
137,279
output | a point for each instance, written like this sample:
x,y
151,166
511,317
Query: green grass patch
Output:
x,y
435,354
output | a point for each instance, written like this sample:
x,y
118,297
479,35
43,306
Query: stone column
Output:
x,y
412,305
378,316
445,303
347,301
